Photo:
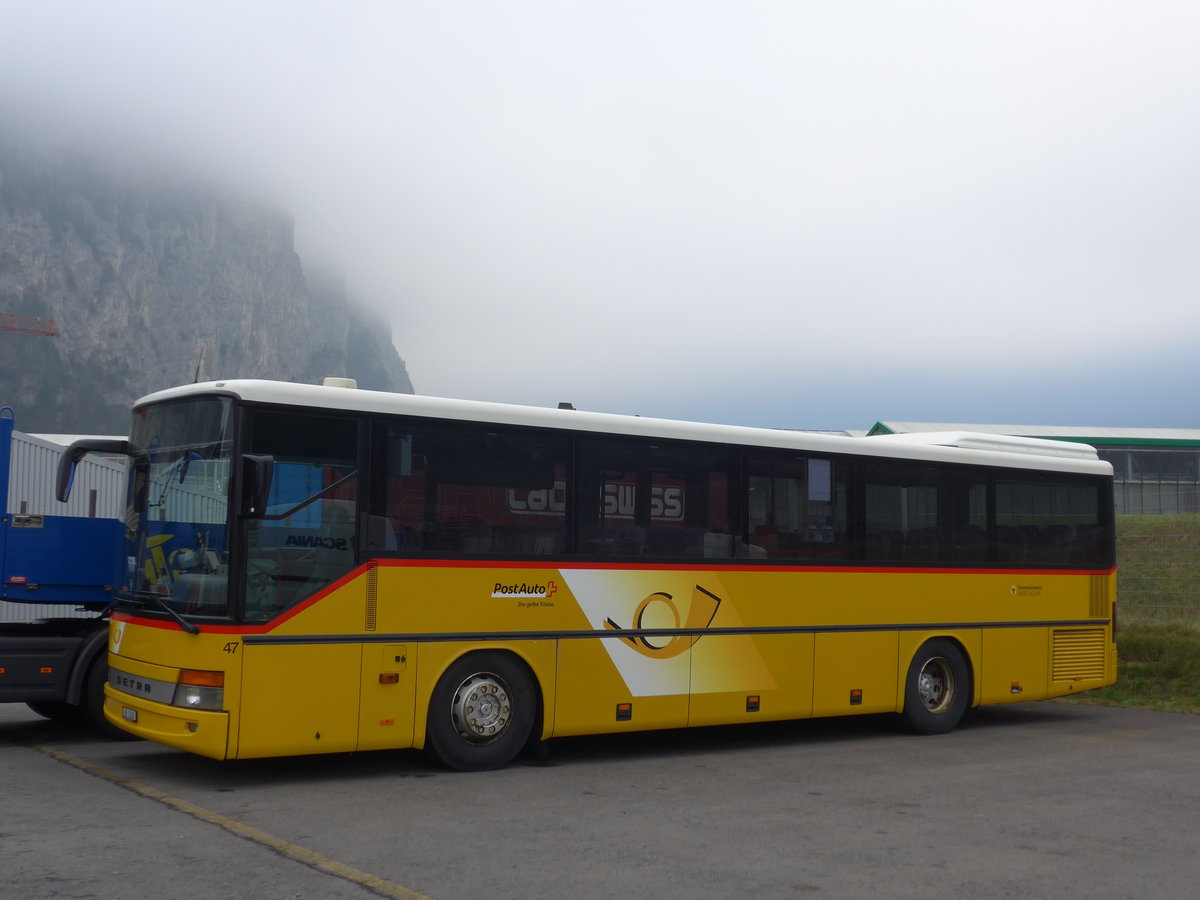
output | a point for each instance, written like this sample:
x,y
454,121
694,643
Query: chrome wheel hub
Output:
x,y
481,708
935,685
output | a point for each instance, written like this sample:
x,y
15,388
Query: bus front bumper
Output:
x,y
203,732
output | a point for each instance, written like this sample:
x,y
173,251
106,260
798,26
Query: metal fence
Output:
x,y
1158,579
1157,497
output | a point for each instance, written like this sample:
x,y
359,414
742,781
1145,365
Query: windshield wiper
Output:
x,y
162,604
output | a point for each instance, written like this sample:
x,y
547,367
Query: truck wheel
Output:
x,y
92,701
56,710
481,713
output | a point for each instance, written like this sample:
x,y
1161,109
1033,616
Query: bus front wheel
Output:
x,y
937,690
481,713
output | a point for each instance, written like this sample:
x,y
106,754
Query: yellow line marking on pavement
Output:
x,y
279,845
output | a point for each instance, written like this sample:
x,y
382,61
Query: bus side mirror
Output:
x,y
257,471
73,454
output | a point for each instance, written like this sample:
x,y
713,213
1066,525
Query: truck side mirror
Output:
x,y
257,471
73,454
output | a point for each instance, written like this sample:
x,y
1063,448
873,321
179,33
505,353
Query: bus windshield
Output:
x,y
177,524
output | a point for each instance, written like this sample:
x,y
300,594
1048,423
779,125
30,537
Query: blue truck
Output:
x,y
60,565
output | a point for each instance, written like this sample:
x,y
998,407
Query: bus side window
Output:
x,y
902,513
1050,521
795,506
473,490
667,500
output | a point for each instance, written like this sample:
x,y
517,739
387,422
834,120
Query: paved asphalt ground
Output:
x,y
1024,801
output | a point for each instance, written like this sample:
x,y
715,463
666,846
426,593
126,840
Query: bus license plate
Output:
x,y
130,715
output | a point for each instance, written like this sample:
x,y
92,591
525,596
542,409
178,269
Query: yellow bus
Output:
x,y
316,569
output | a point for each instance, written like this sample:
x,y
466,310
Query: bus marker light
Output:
x,y
752,703
389,677
46,670
198,677
1016,688
624,712
3,670
387,721
856,697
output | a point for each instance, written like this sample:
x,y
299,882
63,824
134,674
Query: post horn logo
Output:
x,y
700,614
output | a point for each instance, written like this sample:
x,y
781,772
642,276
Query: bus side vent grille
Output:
x,y
372,597
1099,606
1078,654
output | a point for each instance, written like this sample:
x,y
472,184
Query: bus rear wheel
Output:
x,y
937,690
481,713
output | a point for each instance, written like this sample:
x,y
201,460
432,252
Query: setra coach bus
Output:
x,y
317,569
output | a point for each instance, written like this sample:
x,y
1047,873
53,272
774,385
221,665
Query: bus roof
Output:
x,y
957,447
974,440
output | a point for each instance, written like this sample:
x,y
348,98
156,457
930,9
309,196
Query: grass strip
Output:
x,y
1158,668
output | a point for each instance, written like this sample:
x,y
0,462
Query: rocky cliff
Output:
x,y
154,281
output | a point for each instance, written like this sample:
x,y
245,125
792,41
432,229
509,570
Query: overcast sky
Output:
x,y
777,213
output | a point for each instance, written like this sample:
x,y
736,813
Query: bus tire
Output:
x,y
481,713
937,690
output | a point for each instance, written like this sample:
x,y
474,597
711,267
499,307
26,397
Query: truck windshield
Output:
x,y
177,523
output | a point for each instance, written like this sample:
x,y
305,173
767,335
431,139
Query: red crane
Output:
x,y
27,325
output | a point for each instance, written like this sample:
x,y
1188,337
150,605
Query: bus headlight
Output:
x,y
199,690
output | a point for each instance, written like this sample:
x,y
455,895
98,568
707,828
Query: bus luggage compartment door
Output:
x,y
299,698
